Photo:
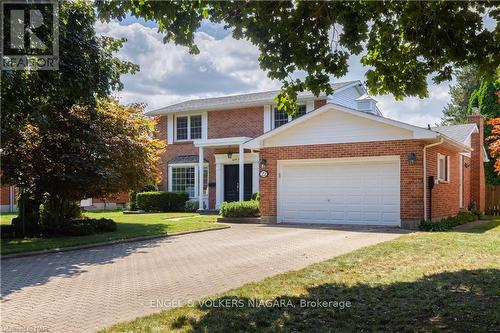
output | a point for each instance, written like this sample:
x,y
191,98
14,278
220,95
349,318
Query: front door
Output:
x,y
231,182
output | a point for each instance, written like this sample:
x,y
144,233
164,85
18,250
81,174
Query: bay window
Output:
x,y
185,179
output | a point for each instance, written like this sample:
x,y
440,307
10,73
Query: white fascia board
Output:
x,y
233,141
356,84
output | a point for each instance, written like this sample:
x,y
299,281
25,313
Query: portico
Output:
x,y
229,152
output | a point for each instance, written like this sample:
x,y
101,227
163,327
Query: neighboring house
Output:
x,y
119,200
339,161
8,199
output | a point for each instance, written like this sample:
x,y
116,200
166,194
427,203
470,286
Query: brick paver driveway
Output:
x,y
84,290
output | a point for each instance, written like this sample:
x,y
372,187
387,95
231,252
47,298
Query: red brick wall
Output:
x,y
119,198
478,182
183,148
239,122
445,196
4,195
411,175
319,103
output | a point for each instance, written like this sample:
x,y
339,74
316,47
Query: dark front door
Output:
x,y
231,182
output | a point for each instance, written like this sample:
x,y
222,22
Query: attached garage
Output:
x,y
357,191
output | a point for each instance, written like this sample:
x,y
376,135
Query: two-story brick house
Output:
x,y
338,161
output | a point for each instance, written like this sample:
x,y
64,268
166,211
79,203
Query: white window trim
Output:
x,y
447,180
196,176
273,109
188,116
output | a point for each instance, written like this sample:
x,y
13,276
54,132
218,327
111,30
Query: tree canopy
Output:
x,y
457,111
62,134
402,42
486,100
494,142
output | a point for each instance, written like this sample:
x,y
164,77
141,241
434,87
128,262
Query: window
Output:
x,y
195,127
188,127
182,128
281,118
443,171
185,179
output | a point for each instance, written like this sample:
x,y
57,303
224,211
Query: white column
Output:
x,y
241,173
219,185
200,178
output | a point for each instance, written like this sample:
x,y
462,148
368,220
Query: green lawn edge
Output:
x,y
129,227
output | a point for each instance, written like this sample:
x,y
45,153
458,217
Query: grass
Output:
x,y
6,218
129,226
421,282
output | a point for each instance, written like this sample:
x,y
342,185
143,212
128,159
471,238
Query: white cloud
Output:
x,y
169,74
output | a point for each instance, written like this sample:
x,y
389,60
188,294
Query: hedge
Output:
x,y
191,206
158,201
449,222
240,209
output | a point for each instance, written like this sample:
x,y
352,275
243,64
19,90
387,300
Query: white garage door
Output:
x,y
361,191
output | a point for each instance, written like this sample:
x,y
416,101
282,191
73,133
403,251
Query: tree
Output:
x,y
457,111
405,41
61,134
93,153
485,98
494,143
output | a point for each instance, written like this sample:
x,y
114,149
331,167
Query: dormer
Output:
x,y
366,103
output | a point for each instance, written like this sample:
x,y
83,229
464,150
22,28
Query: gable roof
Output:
x,y
418,132
243,100
459,133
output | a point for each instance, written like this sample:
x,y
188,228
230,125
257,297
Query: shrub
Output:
x,y
78,229
7,231
161,201
240,209
87,226
56,214
449,222
133,195
191,206
256,196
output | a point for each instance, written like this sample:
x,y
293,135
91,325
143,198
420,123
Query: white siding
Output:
x,y
346,97
337,127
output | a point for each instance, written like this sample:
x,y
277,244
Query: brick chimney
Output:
x,y
477,178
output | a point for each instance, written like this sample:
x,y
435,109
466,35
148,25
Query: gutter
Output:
x,y
441,140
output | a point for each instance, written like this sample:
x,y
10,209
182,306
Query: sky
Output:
x,y
169,74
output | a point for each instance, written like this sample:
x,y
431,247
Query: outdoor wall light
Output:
x,y
466,165
229,155
412,158
263,163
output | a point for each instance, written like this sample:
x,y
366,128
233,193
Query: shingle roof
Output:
x,y
232,100
458,133
185,159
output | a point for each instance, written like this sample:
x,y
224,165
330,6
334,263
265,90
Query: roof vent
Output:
x,y
366,103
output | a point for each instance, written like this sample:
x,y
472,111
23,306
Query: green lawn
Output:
x,y
421,282
6,218
129,226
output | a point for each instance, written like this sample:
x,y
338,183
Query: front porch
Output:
x,y
236,169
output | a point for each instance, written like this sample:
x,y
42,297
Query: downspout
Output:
x,y
441,140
